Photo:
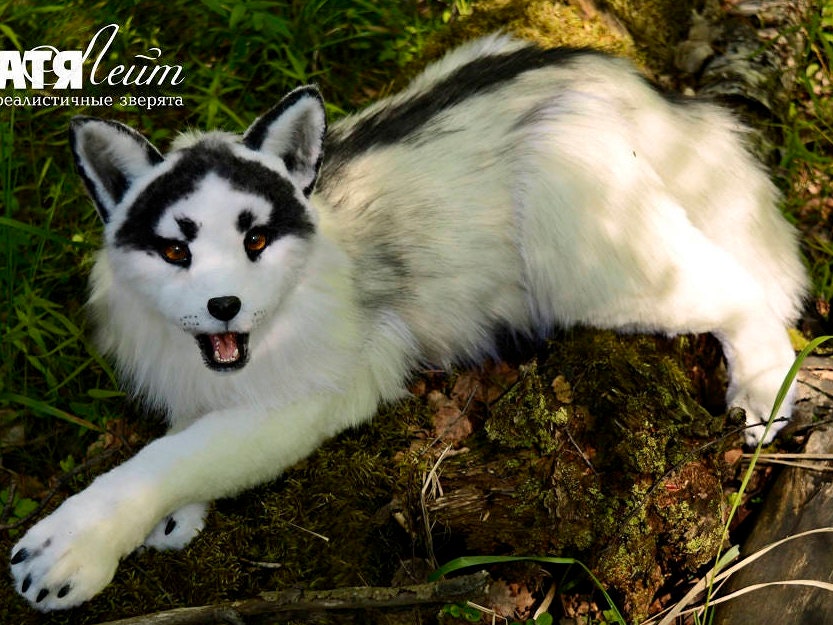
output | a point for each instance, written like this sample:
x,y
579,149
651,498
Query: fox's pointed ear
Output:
x,y
293,131
109,156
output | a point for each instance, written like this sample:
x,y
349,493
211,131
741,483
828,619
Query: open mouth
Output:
x,y
226,351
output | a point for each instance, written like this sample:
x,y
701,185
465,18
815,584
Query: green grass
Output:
x,y
806,165
612,614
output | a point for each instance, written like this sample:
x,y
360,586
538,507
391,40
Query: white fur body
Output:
x,y
572,193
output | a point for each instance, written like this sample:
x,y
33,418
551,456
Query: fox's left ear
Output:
x,y
293,131
109,157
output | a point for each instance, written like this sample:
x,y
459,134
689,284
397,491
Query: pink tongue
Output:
x,y
225,347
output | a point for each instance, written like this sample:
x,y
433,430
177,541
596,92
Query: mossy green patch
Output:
x,y
548,23
527,416
657,26
617,478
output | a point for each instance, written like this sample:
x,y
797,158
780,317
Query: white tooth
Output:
x,y
217,355
236,354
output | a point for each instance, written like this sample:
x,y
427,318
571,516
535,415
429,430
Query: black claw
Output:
x,y
170,526
64,591
27,581
41,595
20,556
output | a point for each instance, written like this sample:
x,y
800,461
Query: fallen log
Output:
x,y
284,605
600,452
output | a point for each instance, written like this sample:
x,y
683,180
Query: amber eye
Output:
x,y
255,241
177,253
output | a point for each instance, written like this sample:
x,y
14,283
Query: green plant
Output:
x,y
807,151
15,508
474,614
612,614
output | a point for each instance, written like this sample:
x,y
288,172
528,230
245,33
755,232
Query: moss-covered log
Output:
x,y
599,452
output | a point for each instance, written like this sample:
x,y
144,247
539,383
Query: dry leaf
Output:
x,y
562,389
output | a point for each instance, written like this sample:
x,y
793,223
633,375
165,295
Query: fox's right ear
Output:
x,y
109,157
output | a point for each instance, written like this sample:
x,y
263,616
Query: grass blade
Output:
x,y
42,407
468,561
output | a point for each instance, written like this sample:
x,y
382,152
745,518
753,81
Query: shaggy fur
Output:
x,y
265,307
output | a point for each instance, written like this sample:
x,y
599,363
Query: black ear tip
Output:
x,y
300,93
313,90
254,137
82,120
77,124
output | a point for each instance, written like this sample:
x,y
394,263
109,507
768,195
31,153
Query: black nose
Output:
x,y
224,308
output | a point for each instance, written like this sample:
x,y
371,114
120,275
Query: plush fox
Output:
x,y
267,291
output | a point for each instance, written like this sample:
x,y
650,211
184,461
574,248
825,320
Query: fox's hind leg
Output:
x,y
721,297
179,528
714,293
759,355
660,273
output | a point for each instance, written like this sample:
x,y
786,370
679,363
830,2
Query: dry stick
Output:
x,y
432,479
475,586
62,480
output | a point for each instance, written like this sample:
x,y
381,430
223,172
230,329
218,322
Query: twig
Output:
x,y
60,484
294,601
810,462
581,453
786,456
808,466
432,481
304,529
9,505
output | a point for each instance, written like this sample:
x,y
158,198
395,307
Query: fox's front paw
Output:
x,y
178,529
67,557
59,565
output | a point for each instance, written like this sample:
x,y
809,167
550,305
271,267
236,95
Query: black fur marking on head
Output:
x,y
288,215
394,124
188,228
245,221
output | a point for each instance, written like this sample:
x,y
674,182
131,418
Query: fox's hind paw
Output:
x,y
178,529
757,400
